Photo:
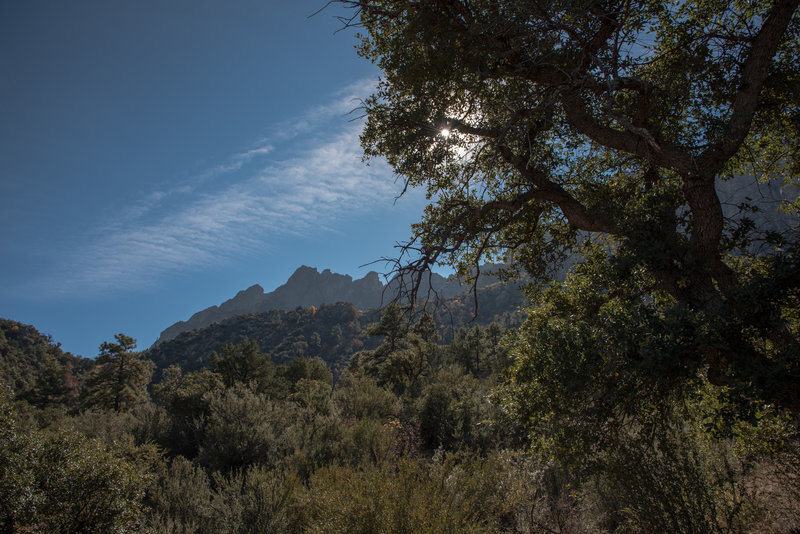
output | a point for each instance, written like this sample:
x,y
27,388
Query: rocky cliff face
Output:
x,y
306,287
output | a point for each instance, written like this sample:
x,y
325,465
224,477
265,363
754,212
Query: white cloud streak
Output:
x,y
263,197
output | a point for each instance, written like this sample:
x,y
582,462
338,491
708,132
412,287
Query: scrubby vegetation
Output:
x,y
414,436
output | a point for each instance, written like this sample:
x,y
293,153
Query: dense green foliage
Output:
x,y
542,130
61,481
33,365
249,446
119,380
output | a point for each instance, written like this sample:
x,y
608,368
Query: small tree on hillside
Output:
x,y
120,379
243,363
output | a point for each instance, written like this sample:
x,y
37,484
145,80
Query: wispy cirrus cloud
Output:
x,y
303,177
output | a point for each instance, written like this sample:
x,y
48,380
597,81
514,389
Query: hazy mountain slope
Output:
x,y
746,200
306,287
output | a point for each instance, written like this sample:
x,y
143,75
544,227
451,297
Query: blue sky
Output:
x,y
157,157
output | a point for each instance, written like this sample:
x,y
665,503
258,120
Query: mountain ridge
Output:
x,y
333,331
307,286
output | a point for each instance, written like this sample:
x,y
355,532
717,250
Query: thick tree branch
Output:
x,y
747,99
575,212
662,154
608,25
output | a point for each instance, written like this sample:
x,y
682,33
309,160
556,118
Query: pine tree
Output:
x,y
120,380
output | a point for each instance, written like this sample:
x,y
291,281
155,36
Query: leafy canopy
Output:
x,y
539,129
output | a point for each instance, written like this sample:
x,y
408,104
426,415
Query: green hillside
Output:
x,y
332,332
27,355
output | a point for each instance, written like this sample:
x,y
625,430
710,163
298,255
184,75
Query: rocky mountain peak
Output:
x,y
305,287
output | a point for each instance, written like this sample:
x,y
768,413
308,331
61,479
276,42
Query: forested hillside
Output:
x,y
332,332
32,362
306,287
309,287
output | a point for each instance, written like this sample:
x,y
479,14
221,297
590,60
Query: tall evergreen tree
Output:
x,y
120,380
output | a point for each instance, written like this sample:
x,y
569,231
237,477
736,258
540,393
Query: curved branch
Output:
x,y
746,101
663,154
575,212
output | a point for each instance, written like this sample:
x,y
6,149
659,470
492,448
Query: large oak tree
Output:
x,y
543,128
